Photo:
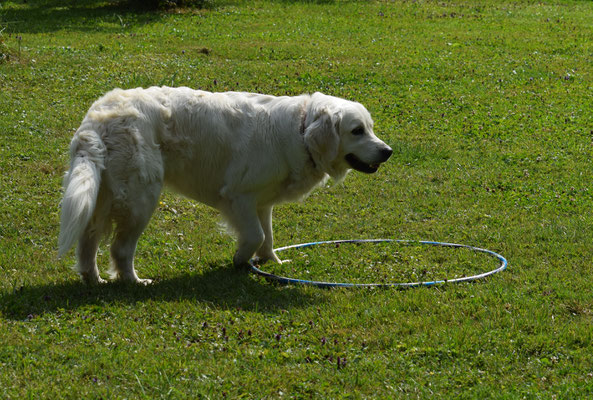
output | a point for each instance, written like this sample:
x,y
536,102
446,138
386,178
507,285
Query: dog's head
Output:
x,y
339,135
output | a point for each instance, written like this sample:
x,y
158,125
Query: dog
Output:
x,y
240,153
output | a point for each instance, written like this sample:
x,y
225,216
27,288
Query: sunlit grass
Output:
x,y
488,108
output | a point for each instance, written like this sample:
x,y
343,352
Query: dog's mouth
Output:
x,y
359,165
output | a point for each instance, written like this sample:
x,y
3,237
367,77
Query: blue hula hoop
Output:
x,y
286,280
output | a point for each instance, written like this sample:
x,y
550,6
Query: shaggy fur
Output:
x,y
240,153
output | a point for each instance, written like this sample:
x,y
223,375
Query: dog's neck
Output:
x,y
302,130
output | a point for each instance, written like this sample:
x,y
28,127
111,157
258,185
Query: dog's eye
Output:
x,y
358,131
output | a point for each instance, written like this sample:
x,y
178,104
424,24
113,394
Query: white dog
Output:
x,y
240,153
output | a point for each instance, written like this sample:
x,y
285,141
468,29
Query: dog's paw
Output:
x,y
263,256
263,260
133,280
92,280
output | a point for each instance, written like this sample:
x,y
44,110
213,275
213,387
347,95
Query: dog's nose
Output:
x,y
386,153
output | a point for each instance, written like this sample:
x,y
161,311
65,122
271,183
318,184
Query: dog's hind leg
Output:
x,y
122,256
129,227
86,253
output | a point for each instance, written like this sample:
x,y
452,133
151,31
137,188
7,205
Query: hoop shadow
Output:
x,y
221,286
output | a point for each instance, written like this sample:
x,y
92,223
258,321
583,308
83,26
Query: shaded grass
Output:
x,y
222,287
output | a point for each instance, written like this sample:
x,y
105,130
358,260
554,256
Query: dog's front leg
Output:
x,y
250,233
266,251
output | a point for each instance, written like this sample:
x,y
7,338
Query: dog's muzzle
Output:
x,y
369,168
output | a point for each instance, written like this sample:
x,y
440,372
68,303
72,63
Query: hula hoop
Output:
x,y
286,280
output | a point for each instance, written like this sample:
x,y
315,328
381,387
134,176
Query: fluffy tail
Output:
x,y
81,187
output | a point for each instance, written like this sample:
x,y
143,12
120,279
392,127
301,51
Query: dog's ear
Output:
x,y
322,138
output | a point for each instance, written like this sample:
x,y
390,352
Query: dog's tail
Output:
x,y
81,186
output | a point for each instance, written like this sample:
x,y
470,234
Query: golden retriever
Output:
x,y
240,153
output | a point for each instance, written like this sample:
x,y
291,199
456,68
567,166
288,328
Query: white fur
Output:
x,y
240,153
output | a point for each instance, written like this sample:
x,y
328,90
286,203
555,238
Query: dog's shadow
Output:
x,y
220,286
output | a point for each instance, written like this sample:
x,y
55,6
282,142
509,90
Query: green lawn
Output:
x,y
488,106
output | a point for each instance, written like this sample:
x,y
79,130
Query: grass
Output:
x,y
488,106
